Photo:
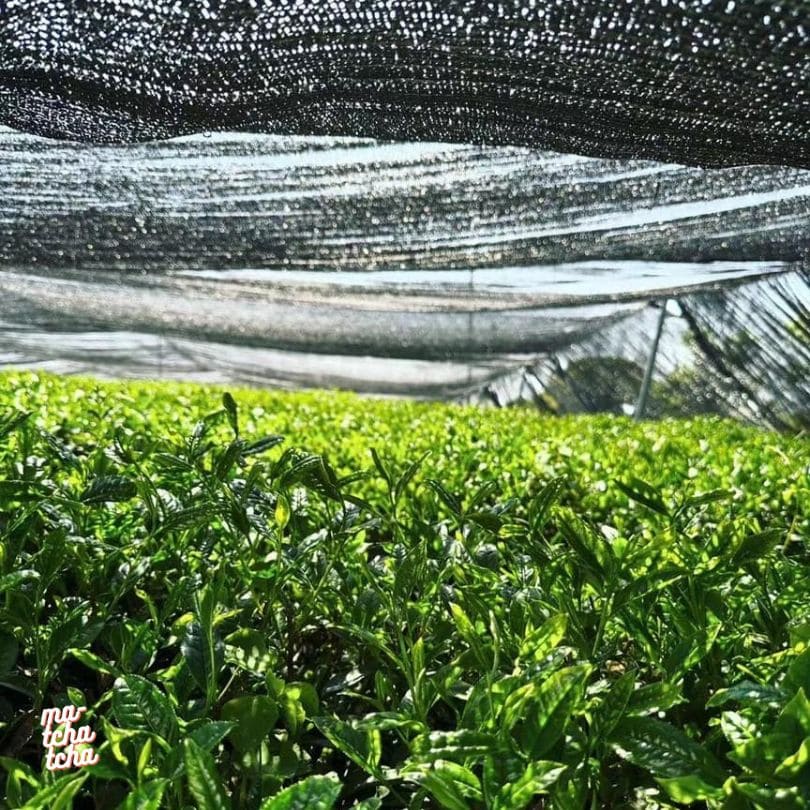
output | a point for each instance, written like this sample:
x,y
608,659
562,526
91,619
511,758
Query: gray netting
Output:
x,y
418,268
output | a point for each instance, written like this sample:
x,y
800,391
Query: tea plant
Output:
x,y
274,601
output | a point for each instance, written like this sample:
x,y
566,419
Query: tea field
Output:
x,y
311,600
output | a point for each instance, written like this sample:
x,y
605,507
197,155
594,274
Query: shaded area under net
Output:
x,y
742,352
414,268
422,270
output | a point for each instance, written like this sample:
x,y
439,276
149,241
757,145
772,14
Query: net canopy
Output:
x,y
692,81
364,193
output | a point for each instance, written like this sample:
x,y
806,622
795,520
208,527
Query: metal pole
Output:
x,y
644,392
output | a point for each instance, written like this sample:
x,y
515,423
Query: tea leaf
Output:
x,y
11,421
536,779
202,648
138,703
59,795
449,500
363,747
460,744
147,796
203,779
252,719
665,751
109,488
645,494
312,793
232,412
262,445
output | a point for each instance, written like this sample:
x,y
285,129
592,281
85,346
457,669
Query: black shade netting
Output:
x,y
708,82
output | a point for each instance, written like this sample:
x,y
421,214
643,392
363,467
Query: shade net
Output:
x,y
476,200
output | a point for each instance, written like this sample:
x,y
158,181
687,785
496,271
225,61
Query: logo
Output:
x,y
68,746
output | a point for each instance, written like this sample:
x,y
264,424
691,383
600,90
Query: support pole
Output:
x,y
644,391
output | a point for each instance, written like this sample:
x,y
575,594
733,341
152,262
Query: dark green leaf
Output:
x,y
59,795
798,674
449,500
203,780
544,500
664,750
405,479
262,445
226,459
204,653
313,793
381,468
645,494
139,704
362,746
755,546
229,404
253,718
614,704
654,697
109,488
539,718
147,796
461,744
11,421
747,693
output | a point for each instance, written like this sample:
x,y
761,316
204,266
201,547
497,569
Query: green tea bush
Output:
x,y
273,600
